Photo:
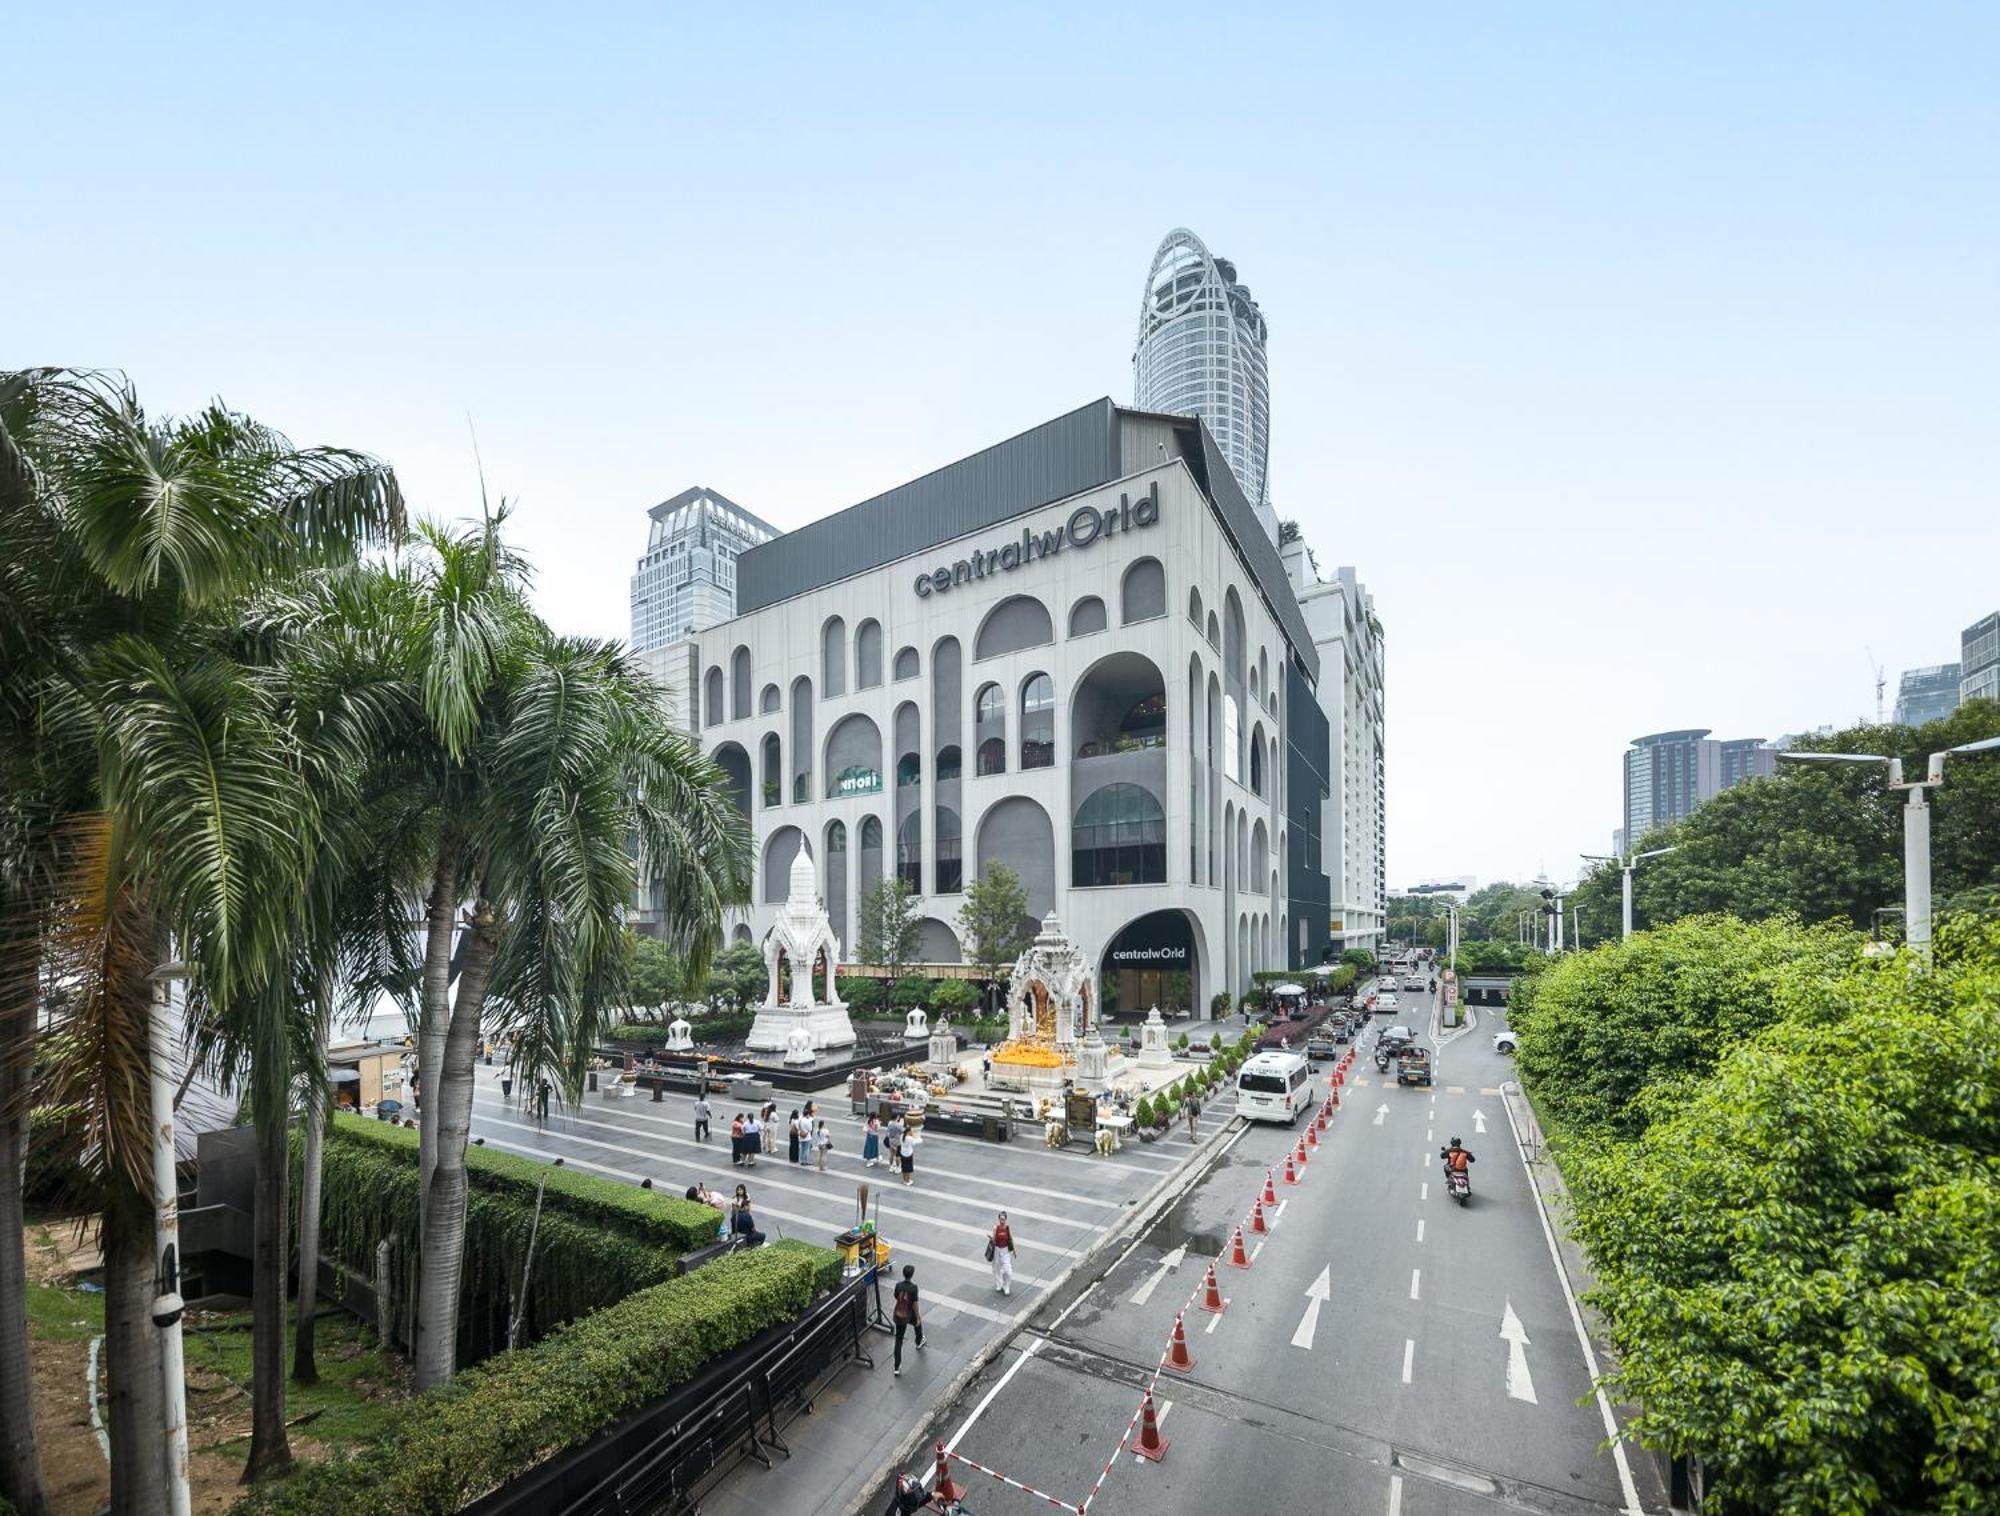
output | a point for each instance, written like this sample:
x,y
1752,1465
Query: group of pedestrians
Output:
x,y
753,1134
894,1145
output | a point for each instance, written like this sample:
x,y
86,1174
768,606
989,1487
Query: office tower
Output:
x,y
1668,774
1979,660
686,582
1927,694
1201,352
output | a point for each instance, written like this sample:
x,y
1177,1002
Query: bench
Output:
x,y
687,1263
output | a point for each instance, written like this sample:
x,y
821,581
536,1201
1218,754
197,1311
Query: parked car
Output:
x,y
1503,1042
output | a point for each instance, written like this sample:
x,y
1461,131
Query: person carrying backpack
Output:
x,y
907,1314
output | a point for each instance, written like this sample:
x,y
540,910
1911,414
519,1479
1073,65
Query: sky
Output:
x,y
1643,360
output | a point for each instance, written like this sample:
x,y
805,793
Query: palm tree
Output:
x,y
533,762
162,793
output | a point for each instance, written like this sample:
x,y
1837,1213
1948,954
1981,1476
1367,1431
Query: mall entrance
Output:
x,y
1153,961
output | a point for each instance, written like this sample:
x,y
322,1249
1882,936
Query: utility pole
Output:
x,y
167,1303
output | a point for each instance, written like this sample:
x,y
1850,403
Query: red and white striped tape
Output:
x,y
1026,1489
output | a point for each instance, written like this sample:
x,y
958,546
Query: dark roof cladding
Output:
x,y
1068,456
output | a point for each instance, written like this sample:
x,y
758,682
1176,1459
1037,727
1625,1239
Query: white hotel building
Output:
x,y
1076,652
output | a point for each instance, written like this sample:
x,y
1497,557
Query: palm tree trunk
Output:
x,y
443,1252
305,1370
20,1452
441,909
132,1350
271,1224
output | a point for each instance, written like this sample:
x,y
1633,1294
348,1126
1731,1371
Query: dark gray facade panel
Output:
x,y
1267,569
1053,461
1308,762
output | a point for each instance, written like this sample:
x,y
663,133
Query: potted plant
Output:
x,y
1142,1118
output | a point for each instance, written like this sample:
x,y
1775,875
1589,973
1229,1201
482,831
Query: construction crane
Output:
x,y
1881,683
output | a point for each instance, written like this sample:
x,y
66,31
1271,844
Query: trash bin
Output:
x,y
989,1128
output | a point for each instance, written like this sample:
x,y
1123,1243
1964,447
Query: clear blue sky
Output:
x,y
1642,358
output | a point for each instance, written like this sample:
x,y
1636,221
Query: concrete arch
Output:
x,y
853,757
908,665
771,769
868,655
1086,616
711,697
739,684
802,739
740,933
1233,637
779,850
1139,969
735,765
1016,831
833,881
833,657
1019,621
770,700
1118,706
937,942
1142,591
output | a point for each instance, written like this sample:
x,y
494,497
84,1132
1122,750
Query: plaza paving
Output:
x,y
1059,1204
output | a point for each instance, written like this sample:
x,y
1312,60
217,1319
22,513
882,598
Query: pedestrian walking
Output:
x,y
822,1145
701,1116
542,1101
1193,1115
871,1143
756,1139
506,1084
1000,1253
907,1313
908,1152
737,1126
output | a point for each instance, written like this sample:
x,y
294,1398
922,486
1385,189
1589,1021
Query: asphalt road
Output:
x,y
1399,1392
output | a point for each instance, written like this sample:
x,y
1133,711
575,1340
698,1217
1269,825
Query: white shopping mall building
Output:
x,y
1077,652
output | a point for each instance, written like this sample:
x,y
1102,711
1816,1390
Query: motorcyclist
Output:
x,y
1457,1158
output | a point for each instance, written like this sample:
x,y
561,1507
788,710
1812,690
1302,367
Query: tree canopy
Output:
x,y
994,920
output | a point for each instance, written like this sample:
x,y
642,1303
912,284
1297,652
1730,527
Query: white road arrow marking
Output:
x,y
1519,1385
1380,1112
1320,1292
1479,1121
1167,1265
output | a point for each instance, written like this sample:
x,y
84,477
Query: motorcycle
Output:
x,y
1458,1185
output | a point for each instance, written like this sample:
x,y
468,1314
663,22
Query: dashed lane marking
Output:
x,y
1420,1229
1416,1277
1454,1089
1409,1356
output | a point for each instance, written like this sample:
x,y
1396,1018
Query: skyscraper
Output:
x,y
1927,694
686,582
1979,660
1667,774
1200,352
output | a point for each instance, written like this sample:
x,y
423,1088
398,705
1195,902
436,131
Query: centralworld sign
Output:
x,y
1086,526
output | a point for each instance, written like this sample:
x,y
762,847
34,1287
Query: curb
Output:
x,y
1143,1215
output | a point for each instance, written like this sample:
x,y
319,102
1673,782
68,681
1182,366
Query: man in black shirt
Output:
x,y
908,1313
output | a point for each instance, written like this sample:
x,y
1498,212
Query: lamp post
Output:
x,y
1625,867
1916,828
167,1303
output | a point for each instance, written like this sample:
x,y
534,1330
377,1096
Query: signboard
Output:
x,y
856,781
1086,525
1158,941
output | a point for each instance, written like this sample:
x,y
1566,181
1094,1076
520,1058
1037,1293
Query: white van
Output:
x,y
1273,1087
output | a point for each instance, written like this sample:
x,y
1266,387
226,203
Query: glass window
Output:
x,y
910,852
950,863
1038,722
989,717
1120,837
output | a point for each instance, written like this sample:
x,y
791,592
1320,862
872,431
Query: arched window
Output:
x,y
868,655
769,700
1120,837
910,852
802,739
1018,621
1143,592
1232,740
1256,765
836,877
1214,632
906,663
853,758
909,770
712,698
989,730
773,777
950,862
948,764
833,657
1038,722
1194,606
870,871
739,684
1086,616
1120,706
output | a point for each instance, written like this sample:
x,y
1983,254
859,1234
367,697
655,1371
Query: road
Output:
x,y
1441,1374
1059,1204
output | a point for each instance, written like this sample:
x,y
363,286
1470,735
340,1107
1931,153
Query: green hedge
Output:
x,y
599,1240
498,1421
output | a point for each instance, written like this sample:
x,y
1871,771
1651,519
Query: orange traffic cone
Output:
x,y
1326,1107
1238,1259
1178,1356
1257,1217
1312,1132
946,1490
1301,1153
1151,1444
1333,1100
1291,1173
1212,1300
1270,1194
1340,1076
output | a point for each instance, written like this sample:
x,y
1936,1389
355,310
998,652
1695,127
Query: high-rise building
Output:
x,y
686,582
1201,352
1340,613
1927,694
1668,774
1979,660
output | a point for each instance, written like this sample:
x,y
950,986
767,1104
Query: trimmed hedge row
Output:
x,y
663,1220
497,1421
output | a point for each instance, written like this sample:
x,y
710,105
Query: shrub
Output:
x,y
1142,1114
497,1421
956,996
1181,1042
1219,1005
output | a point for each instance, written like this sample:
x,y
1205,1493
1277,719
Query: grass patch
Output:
x,y
62,1315
360,1389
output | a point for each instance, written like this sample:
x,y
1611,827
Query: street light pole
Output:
x,y
167,1303
1916,828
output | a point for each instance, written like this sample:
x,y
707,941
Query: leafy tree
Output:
x,y
1612,1035
1359,959
737,978
888,937
1800,1260
1493,912
909,992
993,920
956,996
657,975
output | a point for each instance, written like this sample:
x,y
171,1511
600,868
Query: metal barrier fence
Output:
x,y
664,1456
